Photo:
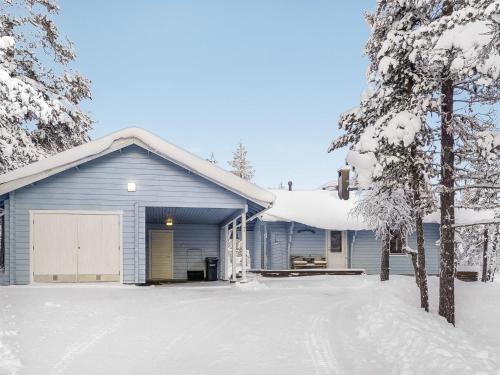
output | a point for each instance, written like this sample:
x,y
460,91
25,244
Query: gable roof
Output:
x,y
102,146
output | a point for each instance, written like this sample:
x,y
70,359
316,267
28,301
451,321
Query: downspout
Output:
x,y
289,244
264,247
352,248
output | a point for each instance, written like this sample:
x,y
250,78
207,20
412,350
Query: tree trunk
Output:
x,y
419,226
494,253
447,198
384,262
484,277
422,273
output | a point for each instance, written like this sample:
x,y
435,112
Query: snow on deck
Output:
x,y
313,325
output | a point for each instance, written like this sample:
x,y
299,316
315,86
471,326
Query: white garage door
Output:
x,y
69,247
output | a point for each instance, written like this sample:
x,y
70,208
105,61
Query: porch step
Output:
x,y
309,272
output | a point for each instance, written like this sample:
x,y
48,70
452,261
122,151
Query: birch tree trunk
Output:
x,y
484,276
447,199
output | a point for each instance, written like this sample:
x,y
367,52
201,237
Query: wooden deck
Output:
x,y
309,272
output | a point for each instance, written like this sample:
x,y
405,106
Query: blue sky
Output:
x,y
206,74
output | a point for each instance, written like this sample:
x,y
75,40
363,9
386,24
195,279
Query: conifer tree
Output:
x,y
240,165
39,93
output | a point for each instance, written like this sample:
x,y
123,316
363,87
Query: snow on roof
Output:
x,y
316,208
323,209
123,138
467,216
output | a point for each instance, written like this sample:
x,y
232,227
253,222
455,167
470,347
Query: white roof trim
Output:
x,y
92,150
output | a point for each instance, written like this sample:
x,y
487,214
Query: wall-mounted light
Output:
x,y
131,186
169,222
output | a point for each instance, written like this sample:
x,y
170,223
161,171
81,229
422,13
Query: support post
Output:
x,y
244,248
233,252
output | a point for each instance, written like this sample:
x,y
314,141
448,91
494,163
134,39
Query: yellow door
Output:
x,y
161,246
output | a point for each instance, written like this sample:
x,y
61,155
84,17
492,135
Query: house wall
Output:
x,y
307,243
256,251
192,244
363,248
101,184
366,252
4,275
304,242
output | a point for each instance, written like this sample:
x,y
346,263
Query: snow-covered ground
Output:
x,y
310,325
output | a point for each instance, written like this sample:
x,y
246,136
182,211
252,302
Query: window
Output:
x,y
396,243
335,242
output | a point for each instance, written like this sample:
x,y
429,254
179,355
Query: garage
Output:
x,y
75,246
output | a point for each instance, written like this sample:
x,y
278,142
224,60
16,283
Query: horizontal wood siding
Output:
x,y
102,185
277,233
192,244
256,253
366,252
306,243
6,235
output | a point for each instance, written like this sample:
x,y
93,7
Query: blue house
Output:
x,y
127,207
317,224
133,208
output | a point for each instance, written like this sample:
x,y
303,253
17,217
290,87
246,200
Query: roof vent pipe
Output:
x,y
290,183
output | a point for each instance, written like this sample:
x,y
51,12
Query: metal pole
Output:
x,y
233,252
244,248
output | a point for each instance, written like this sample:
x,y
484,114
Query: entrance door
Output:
x,y
161,246
337,249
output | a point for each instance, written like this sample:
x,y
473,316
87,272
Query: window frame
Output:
x,y
396,238
340,247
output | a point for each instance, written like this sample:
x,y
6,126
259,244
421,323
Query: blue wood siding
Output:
x,y
192,244
366,252
256,253
102,185
363,249
307,243
5,279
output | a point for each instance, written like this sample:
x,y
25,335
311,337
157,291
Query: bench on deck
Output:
x,y
467,275
309,262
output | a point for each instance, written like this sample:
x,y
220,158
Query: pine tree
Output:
x,y
212,159
430,57
39,101
387,132
457,56
240,166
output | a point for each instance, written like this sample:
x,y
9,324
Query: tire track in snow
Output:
x,y
319,348
84,344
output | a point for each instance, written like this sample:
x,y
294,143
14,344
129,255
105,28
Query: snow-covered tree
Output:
x,y
457,55
39,93
212,159
432,57
240,165
387,212
387,132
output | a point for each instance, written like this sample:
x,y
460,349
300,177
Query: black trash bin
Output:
x,y
211,268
